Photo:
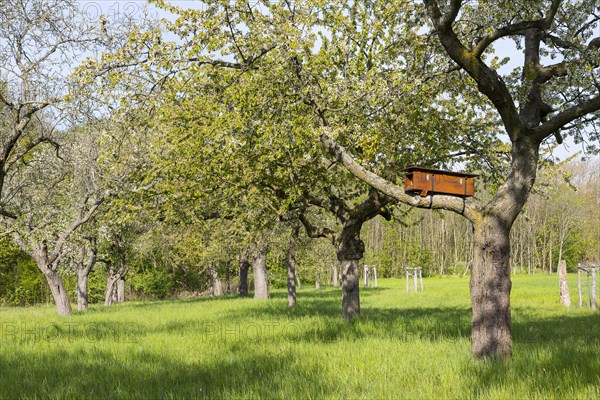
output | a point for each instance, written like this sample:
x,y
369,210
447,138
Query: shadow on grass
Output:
x,y
143,375
554,355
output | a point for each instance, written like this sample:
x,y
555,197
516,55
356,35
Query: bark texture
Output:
x,y
298,282
121,289
216,286
84,267
82,290
59,294
115,285
335,276
55,282
111,288
291,265
259,266
490,291
565,296
244,266
350,249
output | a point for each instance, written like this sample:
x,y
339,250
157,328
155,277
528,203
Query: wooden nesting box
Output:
x,y
425,181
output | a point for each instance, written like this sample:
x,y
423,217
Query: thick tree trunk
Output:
x,y
259,266
490,290
490,278
121,289
216,286
350,291
350,249
82,290
244,266
59,294
291,265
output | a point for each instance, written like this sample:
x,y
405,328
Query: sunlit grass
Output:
x,y
405,345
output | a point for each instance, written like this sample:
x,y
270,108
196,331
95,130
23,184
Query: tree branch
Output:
x,y
316,232
488,81
563,118
81,219
466,207
334,205
508,30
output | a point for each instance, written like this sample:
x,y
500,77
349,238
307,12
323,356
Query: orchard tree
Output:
x,y
57,194
553,93
40,42
84,258
248,86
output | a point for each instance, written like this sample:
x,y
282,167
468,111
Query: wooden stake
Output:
x,y
415,279
375,273
565,298
594,303
579,287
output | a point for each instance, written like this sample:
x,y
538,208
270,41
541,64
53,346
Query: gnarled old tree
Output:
x,y
245,88
349,247
538,101
40,41
53,203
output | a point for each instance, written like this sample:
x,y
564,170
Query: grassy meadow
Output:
x,y
405,345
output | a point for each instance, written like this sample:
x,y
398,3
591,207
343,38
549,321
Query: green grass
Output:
x,y
405,345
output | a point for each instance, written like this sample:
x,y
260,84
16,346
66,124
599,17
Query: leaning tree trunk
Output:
x,y
59,293
110,296
82,289
259,266
291,265
490,290
83,272
244,266
350,249
111,282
